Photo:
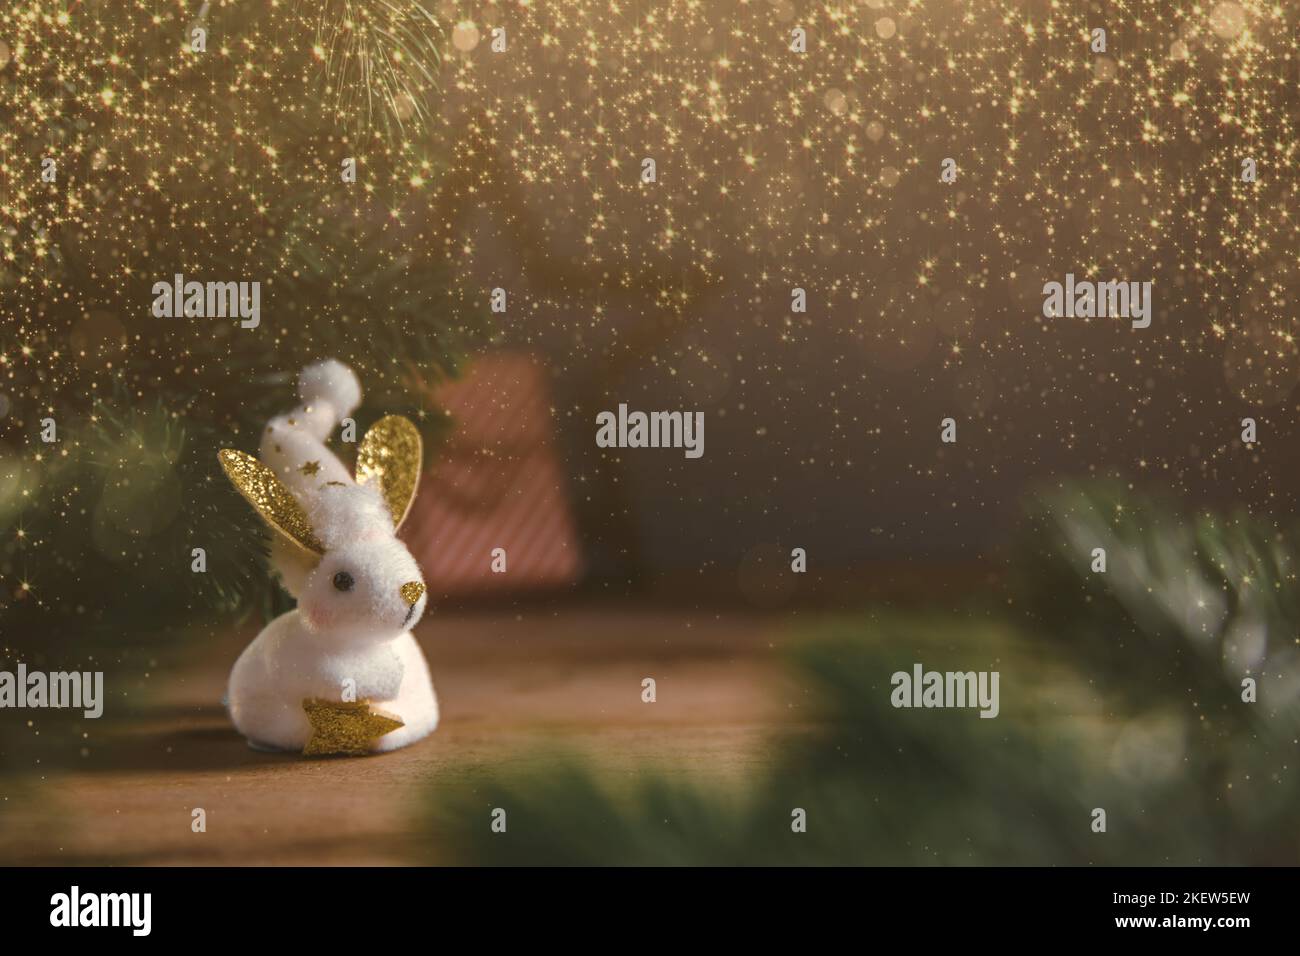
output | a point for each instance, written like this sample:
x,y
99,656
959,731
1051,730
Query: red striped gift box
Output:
x,y
496,482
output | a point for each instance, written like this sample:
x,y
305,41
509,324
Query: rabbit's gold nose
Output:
x,y
411,591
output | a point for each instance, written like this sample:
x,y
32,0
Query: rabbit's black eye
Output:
x,y
343,581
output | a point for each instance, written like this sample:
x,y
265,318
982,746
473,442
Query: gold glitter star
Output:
x,y
345,727
310,468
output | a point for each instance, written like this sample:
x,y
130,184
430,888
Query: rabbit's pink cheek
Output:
x,y
321,618
316,618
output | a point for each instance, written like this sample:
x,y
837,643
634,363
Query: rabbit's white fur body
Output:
x,y
286,664
338,640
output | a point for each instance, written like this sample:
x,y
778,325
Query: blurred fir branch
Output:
x,y
878,785
175,162
1187,608
1187,772
380,60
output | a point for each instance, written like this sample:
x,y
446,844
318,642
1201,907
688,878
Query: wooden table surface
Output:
x,y
515,688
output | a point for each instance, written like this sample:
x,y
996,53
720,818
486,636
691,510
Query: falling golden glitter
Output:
x,y
464,36
1122,164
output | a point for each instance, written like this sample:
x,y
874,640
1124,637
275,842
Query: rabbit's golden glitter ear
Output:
x,y
270,498
390,453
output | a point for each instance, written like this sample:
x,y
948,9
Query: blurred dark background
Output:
x,y
821,171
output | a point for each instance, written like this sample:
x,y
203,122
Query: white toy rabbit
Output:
x,y
341,673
